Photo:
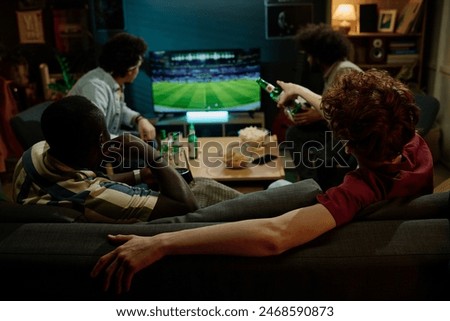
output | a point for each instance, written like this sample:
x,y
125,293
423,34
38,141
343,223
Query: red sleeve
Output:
x,y
362,187
347,199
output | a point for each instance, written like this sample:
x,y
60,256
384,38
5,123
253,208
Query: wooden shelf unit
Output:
x,y
390,54
376,50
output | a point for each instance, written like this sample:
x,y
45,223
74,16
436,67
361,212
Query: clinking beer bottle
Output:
x,y
297,106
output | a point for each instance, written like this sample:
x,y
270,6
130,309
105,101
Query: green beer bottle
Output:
x,y
192,143
164,143
274,92
297,106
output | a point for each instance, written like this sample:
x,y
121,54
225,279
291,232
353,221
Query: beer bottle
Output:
x,y
297,106
176,145
164,143
192,142
274,92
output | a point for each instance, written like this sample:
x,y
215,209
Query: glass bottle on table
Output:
x,y
176,149
192,142
164,144
298,105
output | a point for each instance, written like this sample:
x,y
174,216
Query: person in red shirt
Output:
x,y
374,115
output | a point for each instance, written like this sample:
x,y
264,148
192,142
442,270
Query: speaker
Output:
x,y
377,51
368,17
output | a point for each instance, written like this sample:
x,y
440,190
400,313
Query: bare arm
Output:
x,y
259,237
130,178
291,91
175,194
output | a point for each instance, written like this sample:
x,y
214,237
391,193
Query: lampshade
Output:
x,y
345,13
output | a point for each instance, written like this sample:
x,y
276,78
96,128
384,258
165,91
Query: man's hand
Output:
x,y
289,94
147,176
121,264
308,116
146,130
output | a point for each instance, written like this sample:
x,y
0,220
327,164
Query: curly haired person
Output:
x,y
374,115
327,50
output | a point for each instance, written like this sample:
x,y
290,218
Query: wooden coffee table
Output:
x,y
210,163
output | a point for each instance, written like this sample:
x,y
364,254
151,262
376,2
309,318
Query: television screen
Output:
x,y
205,80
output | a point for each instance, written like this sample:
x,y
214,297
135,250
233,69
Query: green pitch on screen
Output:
x,y
206,96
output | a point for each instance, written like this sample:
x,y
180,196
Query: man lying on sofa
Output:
x,y
64,170
375,114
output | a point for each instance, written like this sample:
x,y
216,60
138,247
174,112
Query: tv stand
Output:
x,y
236,120
162,116
251,114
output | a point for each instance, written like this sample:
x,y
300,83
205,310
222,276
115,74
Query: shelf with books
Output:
x,y
400,52
70,29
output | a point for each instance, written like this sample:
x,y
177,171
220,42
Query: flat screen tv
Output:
x,y
205,80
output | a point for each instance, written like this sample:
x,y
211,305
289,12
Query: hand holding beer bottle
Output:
x,y
295,106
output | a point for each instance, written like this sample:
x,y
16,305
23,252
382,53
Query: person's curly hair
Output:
x,y
323,43
376,113
122,52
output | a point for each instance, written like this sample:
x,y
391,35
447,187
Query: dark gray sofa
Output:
x,y
394,251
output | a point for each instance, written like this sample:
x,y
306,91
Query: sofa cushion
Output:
x,y
377,260
434,205
12,212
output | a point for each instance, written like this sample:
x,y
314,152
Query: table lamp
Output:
x,y
345,13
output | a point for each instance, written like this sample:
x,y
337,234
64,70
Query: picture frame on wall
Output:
x,y
30,25
386,20
284,18
408,16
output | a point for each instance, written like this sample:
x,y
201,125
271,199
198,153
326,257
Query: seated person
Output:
x,y
119,63
314,154
64,170
376,115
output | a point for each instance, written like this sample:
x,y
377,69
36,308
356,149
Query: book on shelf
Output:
x,y
408,17
402,44
401,58
405,51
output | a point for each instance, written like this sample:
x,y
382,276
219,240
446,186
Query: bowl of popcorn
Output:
x,y
253,136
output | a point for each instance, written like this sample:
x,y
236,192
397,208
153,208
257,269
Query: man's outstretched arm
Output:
x,y
258,237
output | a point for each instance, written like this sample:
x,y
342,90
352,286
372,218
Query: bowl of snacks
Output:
x,y
253,136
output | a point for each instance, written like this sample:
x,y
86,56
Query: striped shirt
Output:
x,y
41,179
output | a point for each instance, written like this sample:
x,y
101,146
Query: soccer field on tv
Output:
x,y
214,95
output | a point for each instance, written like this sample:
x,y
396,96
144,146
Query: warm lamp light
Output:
x,y
345,13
